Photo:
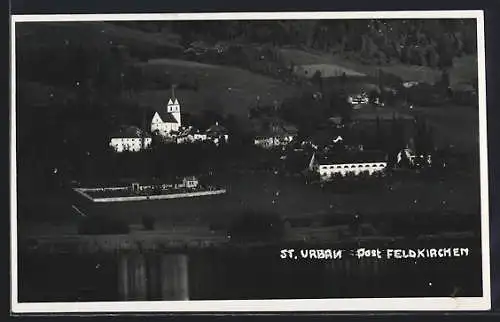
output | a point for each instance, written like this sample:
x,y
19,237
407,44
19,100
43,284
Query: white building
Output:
x,y
190,182
131,139
168,119
413,160
329,166
217,134
190,135
273,141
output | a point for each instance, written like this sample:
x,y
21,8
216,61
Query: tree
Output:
x,y
432,57
318,80
445,80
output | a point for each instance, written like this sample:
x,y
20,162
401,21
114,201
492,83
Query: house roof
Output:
x,y
129,132
350,157
216,129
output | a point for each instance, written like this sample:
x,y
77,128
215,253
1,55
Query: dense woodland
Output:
x,y
417,42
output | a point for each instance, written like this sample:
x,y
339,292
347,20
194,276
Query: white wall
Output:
x,y
129,144
269,142
327,170
164,128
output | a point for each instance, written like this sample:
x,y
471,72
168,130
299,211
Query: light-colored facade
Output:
x,y
130,139
190,182
216,134
168,120
130,144
269,142
328,169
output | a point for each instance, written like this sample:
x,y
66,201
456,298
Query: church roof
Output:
x,y
174,102
166,116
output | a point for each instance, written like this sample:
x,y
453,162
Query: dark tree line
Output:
x,y
430,42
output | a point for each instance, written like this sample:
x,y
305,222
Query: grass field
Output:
x,y
90,33
463,71
220,88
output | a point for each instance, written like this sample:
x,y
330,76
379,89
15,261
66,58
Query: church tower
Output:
x,y
174,107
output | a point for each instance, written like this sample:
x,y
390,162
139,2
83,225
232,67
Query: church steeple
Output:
x,y
174,107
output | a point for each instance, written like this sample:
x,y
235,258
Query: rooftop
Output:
x,y
129,132
350,157
216,129
166,116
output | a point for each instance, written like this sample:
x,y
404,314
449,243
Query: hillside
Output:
x,y
107,70
463,71
221,88
424,42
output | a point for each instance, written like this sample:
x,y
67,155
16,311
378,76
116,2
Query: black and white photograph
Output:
x,y
249,162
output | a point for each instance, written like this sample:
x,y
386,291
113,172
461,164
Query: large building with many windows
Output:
x,y
331,165
129,139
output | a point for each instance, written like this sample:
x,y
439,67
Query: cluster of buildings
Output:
x,y
190,182
274,134
167,125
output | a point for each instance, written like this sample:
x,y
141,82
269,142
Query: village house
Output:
x,y
131,139
408,158
190,135
216,134
329,165
358,99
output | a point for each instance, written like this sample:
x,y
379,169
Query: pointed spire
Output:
x,y
173,91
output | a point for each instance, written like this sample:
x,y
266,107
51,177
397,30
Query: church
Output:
x,y
167,120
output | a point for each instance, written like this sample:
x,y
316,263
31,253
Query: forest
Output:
x,y
430,42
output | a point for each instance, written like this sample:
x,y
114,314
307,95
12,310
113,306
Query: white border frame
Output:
x,y
380,304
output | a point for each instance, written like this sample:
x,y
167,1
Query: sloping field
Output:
x,y
371,112
326,70
220,88
308,63
463,71
89,33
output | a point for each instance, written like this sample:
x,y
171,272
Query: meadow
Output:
x,y
464,69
